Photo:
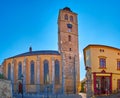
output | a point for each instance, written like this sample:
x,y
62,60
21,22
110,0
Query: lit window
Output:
x,y
118,65
71,18
66,17
102,63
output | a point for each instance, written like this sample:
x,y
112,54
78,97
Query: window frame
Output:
x,y
102,62
57,72
71,18
69,38
66,16
32,72
9,71
118,64
46,72
19,69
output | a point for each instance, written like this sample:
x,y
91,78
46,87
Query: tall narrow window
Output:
x,y
9,71
19,69
66,17
32,72
102,63
118,65
46,72
69,38
57,72
71,18
118,84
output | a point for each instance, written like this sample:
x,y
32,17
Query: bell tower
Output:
x,y
69,49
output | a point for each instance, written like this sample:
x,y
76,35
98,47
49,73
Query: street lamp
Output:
x,y
47,91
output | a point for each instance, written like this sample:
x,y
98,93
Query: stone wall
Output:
x,y
5,89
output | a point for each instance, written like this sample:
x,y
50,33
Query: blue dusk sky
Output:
x,y
25,23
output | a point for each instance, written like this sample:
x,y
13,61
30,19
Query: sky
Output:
x,y
25,23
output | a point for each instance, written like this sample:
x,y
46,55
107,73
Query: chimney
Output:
x,y
30,49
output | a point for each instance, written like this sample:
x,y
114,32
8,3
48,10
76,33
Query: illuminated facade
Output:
x,y
103,66
57,69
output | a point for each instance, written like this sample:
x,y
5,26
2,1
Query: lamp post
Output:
x,y
21,77
47,91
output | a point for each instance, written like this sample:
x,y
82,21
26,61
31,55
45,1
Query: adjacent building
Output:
x,y
103,68
56,71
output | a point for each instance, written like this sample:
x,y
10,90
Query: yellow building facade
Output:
x,y
57,71
103,68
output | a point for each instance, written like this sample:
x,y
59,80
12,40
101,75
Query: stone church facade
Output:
x,y
54,71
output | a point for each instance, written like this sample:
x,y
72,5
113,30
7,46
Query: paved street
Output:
x,y
50,96
109,96
83,95
103,96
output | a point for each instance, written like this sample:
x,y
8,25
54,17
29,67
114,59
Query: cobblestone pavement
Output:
x,y
83,95
109,96
102,96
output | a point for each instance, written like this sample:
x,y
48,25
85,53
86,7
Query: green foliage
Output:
x,y
1,76
82,87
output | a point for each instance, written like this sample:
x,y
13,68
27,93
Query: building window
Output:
x,y
57,72
70,49
101,50
19,69
118,65
66,17
9,71
69,57
118,84
46,72
32,72
69,30
69,38
102,63
71,18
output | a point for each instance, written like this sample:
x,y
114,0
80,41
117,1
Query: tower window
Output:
x,y
69,57
69,38
70,49
66,17
71,18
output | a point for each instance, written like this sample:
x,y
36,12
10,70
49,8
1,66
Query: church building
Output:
x,y
49,70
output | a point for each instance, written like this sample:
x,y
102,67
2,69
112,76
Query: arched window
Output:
x,y
19,70
9,71
46,72
69,38
32,72
71,18
66,17
57,72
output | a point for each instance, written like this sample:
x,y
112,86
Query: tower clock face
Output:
x,y
69,25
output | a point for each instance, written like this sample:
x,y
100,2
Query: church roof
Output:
x,y
42,52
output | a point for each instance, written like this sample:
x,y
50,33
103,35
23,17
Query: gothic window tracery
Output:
x,y
46,72
19,69
9,71
57,72
32,72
